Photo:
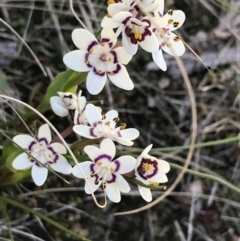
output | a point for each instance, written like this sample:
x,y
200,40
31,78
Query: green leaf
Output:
x,y
3,81
75,80
56,85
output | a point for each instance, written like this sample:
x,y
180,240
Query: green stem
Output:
x,y
207,176
81,144
7,220
43,217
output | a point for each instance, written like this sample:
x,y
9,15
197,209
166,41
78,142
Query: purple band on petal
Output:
x,y
51,149
86,61
117,163
99,73
113,179
147,21
104,156
97,122
91,45
31,145
115,59
92,132
43,139
110,44
118,68
55,158
119,134
145,174
105,40
126,20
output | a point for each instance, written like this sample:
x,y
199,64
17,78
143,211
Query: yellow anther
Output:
x,y
116,119
49,156
99,71
91,174
86,61
110,2
103,117
102,44
29,158
161,35
170,12
108,15
111,73
169,45
109,59
41,144
147,167
176,24
90,50
176,39
123,126
154,183
107,123
170,21
99,164
112,169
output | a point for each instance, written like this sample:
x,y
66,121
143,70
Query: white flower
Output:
x,y
102,60
150,171
168,42
104,126
104,171
46,154
136,31
62,104
79,115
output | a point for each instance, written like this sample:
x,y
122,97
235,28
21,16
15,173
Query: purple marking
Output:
x,y
119,134
126,20
97,122
147,21
115,59
142,172
55,158
31,145
110,44
118,68
88,64
105,40
91,132
103,156
114,177
117,163
43,139
51,149
91,45
100,74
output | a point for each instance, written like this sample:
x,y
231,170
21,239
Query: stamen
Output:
x,y
123,126
154,183
107,123
176,24
86,61
104,117
90,50
176,39
116,119
170,12
99,163
170,21
111,73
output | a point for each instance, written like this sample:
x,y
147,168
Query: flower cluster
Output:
x,y
146,26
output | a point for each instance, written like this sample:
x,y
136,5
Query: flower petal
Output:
x,y
108,22
145,193
178,18
122,16
127,164
176,48
108,147
163,166
39,175
85,166
22,162
150,43
84,131
128,45
93,152
122,184
75,60
91,182
122,79
62,166
95,82
159,60
146,150
93,114
108,35
122,55
130,133
24,141
123,141
45,133
113,192
59,148
82,38
58,106
158,178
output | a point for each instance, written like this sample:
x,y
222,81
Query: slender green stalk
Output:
x,y
207,176
7,220
43,217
